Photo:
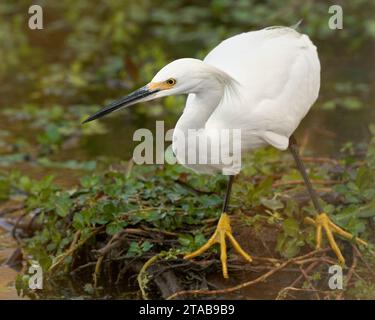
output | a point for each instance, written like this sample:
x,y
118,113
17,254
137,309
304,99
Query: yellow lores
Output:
x,y
163,85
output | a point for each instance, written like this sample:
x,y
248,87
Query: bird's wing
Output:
x,y
278,72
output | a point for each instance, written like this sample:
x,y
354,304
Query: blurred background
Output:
x,y
92,52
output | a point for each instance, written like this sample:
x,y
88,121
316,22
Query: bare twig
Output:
x,y
244,284
301,182
8,210
71,250
143,275
349,276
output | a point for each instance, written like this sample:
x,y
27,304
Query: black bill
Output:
x,y
127,101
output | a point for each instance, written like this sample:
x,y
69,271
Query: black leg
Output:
x,y
227,193
322,222
223,231
293,147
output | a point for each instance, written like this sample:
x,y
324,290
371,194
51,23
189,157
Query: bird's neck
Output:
x,y
199,107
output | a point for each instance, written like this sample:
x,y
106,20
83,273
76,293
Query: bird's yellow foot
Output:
x,y
223,230
322,221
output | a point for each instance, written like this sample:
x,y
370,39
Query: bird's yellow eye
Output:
x,y
171,81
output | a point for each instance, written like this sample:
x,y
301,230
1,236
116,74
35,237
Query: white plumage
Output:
x,y
279,73
262,82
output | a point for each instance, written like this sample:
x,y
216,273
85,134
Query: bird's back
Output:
x,y
278,75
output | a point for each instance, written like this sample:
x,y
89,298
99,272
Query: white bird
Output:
x,y
262,83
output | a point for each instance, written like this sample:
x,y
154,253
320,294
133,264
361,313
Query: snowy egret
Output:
x,y
261,82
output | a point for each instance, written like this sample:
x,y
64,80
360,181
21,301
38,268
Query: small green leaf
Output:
x,y
291,227
114,227
63,204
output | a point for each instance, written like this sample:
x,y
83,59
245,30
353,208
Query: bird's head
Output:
x,y
181,76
